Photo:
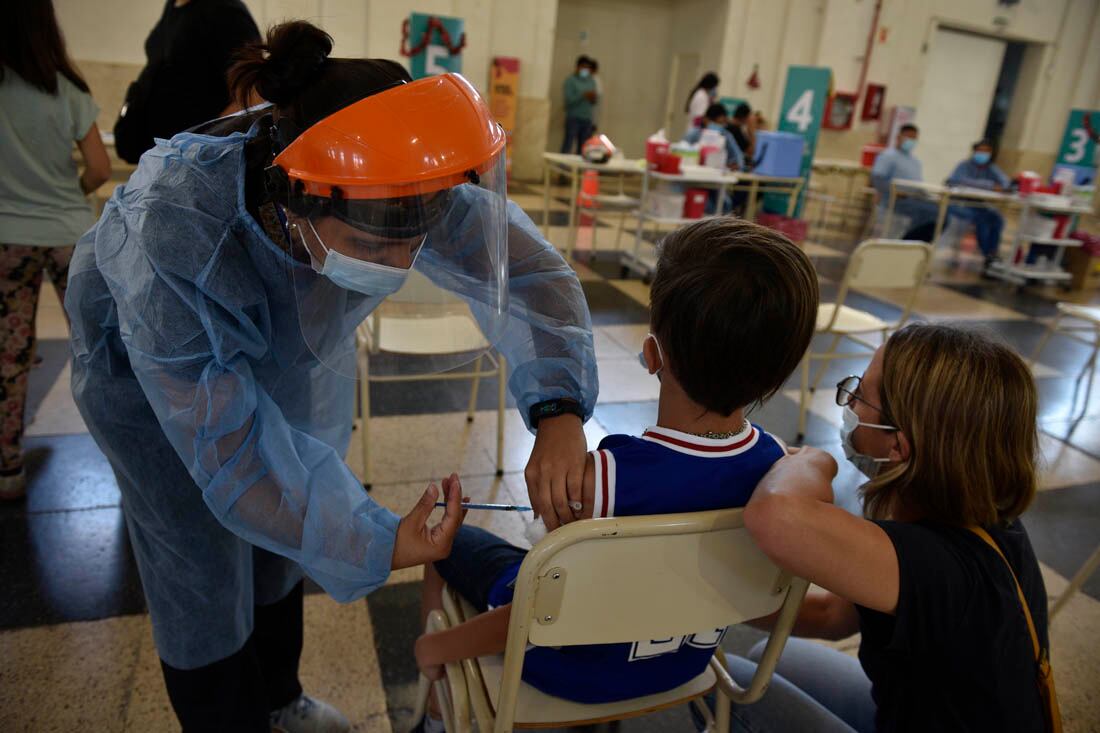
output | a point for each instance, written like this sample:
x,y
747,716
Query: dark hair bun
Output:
x,y
282,67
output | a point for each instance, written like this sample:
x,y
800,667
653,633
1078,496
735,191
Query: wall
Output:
x,y
637,38
1062,36
106,39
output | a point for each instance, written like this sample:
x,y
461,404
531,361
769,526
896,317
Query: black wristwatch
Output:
x,y
553,408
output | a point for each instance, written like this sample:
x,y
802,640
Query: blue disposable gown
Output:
x,y
223,429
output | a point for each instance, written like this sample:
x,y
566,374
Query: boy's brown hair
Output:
x,y
733,306
968,405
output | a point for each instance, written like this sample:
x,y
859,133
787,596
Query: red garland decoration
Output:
x,y
434,24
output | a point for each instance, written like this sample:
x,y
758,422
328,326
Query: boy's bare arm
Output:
x,y
484,634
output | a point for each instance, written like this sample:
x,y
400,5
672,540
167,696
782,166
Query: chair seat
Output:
x,y
849,320
535,709
1084,312
437,334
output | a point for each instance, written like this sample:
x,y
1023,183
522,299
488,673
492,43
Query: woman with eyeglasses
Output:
x,y
943,424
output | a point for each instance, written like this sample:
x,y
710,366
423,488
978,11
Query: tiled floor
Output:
x,y
75,643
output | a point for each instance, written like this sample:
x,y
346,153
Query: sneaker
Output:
x,y
13,485
306,715
989,270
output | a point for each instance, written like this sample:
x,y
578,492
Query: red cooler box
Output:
x,y
695,205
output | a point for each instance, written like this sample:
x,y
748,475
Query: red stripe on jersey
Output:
x,y
603,469
703,448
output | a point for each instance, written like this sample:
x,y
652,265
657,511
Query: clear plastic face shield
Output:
x,y
417,280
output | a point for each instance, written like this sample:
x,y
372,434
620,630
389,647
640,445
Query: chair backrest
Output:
x,y
422,319
889,264
625,579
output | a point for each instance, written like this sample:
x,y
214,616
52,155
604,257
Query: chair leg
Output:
x,y
825,366
473,389
1076,582
721,702
364,406
802,397
1043,341
502,378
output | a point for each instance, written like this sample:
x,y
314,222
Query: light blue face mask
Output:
x,y
982,158
715,126
584,73
368,278
908,144
869,466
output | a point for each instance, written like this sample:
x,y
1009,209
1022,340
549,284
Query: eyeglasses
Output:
x,y
846,392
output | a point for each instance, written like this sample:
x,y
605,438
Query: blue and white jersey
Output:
x,y
664,471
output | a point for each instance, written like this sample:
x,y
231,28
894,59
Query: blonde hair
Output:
x,y
968,405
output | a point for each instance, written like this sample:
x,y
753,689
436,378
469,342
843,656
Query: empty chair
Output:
x,y
877,263
420,331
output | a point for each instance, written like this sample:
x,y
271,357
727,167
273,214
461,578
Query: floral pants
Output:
x,y
21,269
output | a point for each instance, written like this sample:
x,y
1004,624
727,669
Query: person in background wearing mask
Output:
x,y
581,96
187,54
900,163
943,424
743,128
702,96
715,119
979,171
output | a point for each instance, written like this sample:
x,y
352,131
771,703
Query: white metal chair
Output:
x,y
419,331
619,580
877,263
1082,319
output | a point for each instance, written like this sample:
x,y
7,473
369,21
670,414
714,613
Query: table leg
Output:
x,y
750,205
888,224
792,200
849,201
572,241
941,217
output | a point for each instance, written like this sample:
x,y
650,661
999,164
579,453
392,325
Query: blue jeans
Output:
x,y
988,225
814,688
577,130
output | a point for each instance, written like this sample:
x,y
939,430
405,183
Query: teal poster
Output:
x,y
801,113
1080,143
433,44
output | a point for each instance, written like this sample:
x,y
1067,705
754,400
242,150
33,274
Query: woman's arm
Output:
x,y
792,519
823,615
484,634
97,164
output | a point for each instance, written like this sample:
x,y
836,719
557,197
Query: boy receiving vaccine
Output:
x,y
733,307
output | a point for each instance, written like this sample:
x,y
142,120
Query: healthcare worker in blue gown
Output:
x,y
214,307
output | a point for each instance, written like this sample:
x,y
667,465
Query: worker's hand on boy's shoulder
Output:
x,y
555,471
417,542
422,651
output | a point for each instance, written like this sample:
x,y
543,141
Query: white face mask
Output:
x,y
641,355
351,273
869,466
